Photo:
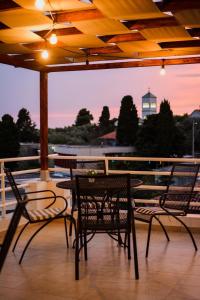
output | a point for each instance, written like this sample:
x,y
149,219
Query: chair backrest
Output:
x,y
13,185
82,167
102,200
20,200
181,185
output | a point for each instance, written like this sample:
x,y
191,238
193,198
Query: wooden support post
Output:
x,y
44,125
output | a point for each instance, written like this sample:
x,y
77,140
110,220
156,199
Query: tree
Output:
x,y
170,139
9,138
84,117
127,122
104,120
27,128
159,135
147,137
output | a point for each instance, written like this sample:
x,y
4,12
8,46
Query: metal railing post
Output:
x,y
3,193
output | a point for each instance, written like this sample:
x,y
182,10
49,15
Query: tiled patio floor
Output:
x,y
47,273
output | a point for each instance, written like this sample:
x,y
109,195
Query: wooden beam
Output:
x,y
18,63
120,38
151,23
59,32
74,16
44,121
43,45
180,44
129,64
178,5
103,50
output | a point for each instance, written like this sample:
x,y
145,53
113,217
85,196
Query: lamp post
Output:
x,y
193,137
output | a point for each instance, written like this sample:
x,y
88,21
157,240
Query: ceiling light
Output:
x,y
169,13
39,4
45,54
187,28
162,70
53,39
134,30
196,37
86,1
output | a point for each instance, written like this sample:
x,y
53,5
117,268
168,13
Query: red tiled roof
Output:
x,y
109,136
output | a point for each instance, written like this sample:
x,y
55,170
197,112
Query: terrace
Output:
x,y
93,36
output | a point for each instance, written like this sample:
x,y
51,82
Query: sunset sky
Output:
x,y
71,91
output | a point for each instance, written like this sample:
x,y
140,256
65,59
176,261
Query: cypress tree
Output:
x,y
127,122
104,121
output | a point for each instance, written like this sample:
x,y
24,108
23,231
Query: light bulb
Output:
x,y
162,71
53,39
45,54
39,4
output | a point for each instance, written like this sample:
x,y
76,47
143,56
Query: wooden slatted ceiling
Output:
x,y
103,30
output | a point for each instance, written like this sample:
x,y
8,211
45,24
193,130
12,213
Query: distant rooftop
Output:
x,y
109,136
149,95
195,114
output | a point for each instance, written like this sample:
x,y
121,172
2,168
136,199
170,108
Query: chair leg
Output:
x,y
129,245
135,249
77,255
66,232
20,233
31,238
85,245
163,228
148,238
189,231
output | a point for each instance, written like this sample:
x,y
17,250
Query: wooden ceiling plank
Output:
x,y
103,50
194,32
129,64
180,44
74,16
151,23
120,38
59,32
8,4
177,5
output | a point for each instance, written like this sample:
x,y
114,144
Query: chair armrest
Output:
x,y
40,191
53,202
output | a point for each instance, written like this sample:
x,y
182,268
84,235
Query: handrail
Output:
x,y
4,189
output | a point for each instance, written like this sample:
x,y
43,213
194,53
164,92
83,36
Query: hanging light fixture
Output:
x,y
53,39
162,70
39,4
45,54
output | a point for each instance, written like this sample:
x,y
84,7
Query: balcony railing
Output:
x,y
109,162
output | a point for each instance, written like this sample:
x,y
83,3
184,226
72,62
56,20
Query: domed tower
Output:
x,y
149,105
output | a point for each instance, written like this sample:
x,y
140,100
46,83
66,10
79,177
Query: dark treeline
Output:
x,y
159,135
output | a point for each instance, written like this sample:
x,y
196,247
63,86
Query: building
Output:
x,y
149,105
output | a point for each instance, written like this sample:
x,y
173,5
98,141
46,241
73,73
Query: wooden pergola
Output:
x,y
94,35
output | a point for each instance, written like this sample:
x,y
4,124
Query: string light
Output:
x,y
162,70
45,54
39,4
53,39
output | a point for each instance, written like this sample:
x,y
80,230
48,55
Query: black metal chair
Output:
x,y
44,215
174,202
104,206
82,167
